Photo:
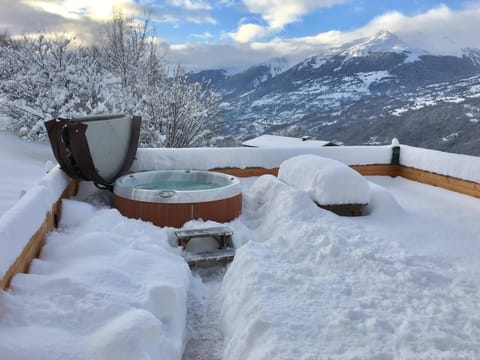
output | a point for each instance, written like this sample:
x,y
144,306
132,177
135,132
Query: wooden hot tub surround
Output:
x,y
173,197
175,215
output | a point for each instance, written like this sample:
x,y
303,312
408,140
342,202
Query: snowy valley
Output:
x,y
365,92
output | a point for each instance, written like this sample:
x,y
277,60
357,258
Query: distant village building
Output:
x,y
285,142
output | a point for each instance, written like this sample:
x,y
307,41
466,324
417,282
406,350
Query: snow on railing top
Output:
x,y
455,165
460,166
21,221
244,157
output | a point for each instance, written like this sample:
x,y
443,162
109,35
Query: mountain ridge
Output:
x,y
367,91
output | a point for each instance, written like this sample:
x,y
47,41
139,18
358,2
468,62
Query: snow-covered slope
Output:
x,y
244,82
359,94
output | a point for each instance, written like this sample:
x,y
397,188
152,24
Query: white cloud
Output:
x,y
276,14
75,9
201,18
204,36
226,3
439,30
249,32
180,11
178,17
85,18
213,56
191,5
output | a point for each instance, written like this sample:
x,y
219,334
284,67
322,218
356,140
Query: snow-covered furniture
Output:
x,y
330,183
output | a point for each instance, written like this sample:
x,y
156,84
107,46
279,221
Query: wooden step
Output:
x,y
223,235
210,258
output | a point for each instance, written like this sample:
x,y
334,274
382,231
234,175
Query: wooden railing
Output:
x,y
34,245
446,182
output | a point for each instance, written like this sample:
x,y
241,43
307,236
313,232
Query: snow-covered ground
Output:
x,y
22,164
399,283
311,285
103,288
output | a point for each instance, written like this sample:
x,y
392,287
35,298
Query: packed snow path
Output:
x,y
204,331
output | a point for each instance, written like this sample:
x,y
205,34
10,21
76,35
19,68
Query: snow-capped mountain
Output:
x,y
472,54
367,91
244,82
381,42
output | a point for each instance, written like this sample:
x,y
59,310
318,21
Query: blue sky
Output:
x,y
224,18
238,33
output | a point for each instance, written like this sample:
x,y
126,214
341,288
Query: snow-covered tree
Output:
x,y
5,38
48,78
189,112
44,78
129,52
175,112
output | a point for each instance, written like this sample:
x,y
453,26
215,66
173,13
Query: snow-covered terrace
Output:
x,y
398,283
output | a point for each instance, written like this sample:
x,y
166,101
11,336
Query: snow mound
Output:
x,y
104,287
327,181
74,212
314,286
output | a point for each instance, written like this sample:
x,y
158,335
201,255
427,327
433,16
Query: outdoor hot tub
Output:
x,y
173,197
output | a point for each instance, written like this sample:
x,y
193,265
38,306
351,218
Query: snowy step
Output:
x,y
223,235
210,258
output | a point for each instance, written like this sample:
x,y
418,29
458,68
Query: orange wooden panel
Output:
x,y
382,170
446,182
220,210
385,170
247,172
175,215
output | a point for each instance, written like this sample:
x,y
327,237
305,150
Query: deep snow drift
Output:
x,y
305,284
399,283
105,287
311,285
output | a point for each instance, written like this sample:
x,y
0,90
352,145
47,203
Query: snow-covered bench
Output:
x,y
330,183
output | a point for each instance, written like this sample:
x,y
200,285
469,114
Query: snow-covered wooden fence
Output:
x,y
24,226
460,173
